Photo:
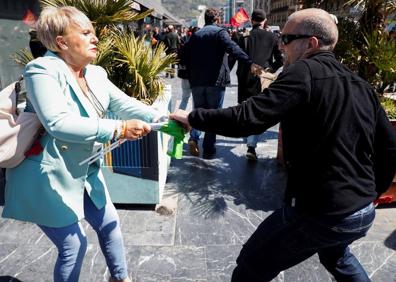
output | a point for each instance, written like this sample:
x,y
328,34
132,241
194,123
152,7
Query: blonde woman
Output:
x,y
71,98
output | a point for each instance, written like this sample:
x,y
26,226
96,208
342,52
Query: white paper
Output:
x,y
156,125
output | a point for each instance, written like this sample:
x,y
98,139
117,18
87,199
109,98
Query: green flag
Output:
x,y
175,130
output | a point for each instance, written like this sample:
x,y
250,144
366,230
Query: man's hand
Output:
x,y
136,129
256,69
182,117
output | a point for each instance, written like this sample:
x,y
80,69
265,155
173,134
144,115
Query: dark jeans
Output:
x,y
287,238
207,98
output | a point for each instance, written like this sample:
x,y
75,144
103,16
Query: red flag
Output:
x,y
29,18
239,18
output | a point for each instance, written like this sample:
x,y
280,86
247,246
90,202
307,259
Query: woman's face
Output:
x,y
79,44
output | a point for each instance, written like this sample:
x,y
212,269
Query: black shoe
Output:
x,y
251,154
209,154
193,147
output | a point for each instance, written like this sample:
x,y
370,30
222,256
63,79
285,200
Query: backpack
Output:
x,y
18,132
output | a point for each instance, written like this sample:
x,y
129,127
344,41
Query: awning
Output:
x,y
172,22
135,6
159,11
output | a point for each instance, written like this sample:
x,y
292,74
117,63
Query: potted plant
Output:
x,y
135,68
139,165
389,106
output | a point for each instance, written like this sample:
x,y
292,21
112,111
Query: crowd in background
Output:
x,y
154,34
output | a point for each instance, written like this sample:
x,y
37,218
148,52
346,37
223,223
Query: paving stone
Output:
x,y
221,261
220,204
181,263
147,228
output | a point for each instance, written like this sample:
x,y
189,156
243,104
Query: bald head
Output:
x,y
316,22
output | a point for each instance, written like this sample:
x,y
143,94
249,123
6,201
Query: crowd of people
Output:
x,y
339,146
213,51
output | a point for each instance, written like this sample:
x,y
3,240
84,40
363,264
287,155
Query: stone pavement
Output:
x,y
220,202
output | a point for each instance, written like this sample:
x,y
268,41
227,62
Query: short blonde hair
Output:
x,y
55,21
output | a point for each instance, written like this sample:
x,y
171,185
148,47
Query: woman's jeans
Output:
x,y
71,242
287,238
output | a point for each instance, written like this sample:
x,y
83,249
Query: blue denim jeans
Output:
x,y
71,243
207,98
186,93
252,140
287,238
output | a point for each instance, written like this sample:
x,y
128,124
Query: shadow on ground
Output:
x,y
210,184
390,241
9,279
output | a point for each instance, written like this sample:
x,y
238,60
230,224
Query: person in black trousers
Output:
x,y
172,42
261,46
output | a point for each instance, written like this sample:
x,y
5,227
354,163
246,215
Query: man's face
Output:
x,y
295,49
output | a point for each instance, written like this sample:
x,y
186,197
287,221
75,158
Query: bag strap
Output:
x,y
18,88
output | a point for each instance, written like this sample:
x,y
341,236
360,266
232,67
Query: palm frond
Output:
x,y
143,65
102,12
389,106
22,57
105,52
131,63
381,52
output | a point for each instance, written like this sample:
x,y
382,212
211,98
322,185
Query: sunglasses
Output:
x,y
287,38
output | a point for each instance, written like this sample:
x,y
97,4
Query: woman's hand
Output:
x,y
136,129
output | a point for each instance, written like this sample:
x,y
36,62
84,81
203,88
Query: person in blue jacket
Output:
x,y
207,63
71,98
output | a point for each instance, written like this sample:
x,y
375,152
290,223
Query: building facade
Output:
x,y
281,9
263,5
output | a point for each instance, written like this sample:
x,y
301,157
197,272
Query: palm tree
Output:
x,y
373,13
135,66
363,44
375,51
103,14
132,65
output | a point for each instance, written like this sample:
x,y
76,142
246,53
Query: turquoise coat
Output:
x,y
48,188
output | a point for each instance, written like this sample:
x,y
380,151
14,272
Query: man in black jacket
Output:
x,y
262,47
339,150
172,42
